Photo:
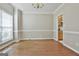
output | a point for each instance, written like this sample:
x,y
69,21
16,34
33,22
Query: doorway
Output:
x,y
60,27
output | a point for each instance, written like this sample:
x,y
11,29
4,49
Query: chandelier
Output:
x,y
38,5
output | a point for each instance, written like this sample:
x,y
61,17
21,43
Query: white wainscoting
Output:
x,y
37,34
71,40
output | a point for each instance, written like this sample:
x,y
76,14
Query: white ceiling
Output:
x,y
28,8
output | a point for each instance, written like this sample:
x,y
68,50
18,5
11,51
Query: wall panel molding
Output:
x,y
71,32
36,38
33,30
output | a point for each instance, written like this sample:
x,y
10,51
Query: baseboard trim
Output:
x,y
55,39
17,40
70,47
5,45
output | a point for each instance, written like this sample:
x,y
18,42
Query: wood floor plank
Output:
x,y
39,48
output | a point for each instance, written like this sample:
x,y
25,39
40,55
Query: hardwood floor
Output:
x,y
39,48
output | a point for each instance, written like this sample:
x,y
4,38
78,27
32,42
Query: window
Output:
x,y
0,27
6,26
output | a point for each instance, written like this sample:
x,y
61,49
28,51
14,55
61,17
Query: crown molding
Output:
x,y
58,8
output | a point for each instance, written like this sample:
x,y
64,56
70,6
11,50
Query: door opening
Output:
x,y
60,27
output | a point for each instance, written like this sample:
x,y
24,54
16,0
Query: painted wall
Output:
x,y
38,25
71,25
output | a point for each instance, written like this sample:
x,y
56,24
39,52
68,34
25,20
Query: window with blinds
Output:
x,y
6,23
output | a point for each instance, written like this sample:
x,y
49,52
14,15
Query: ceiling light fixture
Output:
x,y
38,5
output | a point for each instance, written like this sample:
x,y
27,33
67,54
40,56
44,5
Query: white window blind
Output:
x,y
6,22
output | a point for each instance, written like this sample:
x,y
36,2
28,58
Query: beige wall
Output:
x,y
38,25
71,25
38,21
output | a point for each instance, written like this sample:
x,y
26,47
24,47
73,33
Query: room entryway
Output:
x,y
60,27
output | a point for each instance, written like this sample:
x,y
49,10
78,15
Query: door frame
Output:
x,y
57,24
